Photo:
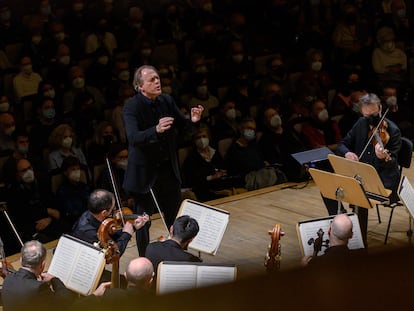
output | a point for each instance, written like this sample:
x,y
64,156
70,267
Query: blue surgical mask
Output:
x,y
249,134
49,113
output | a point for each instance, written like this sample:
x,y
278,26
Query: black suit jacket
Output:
x,y
22,291
168,250
147,149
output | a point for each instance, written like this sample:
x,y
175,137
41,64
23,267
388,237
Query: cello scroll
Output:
x,y
274,254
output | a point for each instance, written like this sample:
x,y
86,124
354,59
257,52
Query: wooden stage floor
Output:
x,y
252,214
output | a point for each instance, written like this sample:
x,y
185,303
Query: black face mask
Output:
x,y
373,119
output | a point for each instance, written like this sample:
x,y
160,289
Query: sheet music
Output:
x,y
308,233
176,277
407,195
211,275
212,223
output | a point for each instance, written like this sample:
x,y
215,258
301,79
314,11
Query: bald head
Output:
x,y
340,230
139,273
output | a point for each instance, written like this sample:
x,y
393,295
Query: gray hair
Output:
x,y
368,99
138,76
33,254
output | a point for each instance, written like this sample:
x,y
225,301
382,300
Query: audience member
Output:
x,y
25,83
7,127
124,94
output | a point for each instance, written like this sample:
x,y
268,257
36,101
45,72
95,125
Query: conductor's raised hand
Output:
x,y
196,113
164,124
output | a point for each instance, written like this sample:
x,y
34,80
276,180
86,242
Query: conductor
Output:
x,y
152,123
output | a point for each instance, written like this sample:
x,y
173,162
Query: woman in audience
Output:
x,y
99,146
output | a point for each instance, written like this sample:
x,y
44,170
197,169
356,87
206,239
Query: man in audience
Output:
x,y
182,232
30,287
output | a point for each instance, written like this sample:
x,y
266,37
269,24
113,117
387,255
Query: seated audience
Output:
x,y
25,83
7,127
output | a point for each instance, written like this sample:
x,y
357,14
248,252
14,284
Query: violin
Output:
x,y
6,268
274,253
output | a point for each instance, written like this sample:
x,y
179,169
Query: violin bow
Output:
x,y
115,187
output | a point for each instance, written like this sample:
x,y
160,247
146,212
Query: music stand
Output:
x,y
310,158
365,174
340,188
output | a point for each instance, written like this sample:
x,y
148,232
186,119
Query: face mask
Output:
x,y
201,69
373,119
391,101
46,10
355,107
60,36
323,115
122,164
28,176
208,7
388,46
9,131
36,39
108,139
167,89
77,7
75,175
65,60
49,113
238,58
276,121
202,90
316,66
103,60
50,93
27,69
231,114
202,143
23,149
123,75
78,83
5,16
278,71
146,52
249,134
4,107
136,25
401,13
67,142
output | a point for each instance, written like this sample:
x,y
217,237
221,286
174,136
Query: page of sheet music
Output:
x,y
210,275
212,225
63,258
407,195
311,230
176,277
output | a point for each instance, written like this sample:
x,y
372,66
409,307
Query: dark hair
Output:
x,y
116,148
100,200
68,162
185,228
19,132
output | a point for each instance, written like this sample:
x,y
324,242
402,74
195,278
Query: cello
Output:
x,y
274,253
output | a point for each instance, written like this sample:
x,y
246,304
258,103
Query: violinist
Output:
x,y
382,155
101,205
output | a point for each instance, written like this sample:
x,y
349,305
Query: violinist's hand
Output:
x,y
351,156
196,113
305,260
46,277
141,221
164,124
381,152
128,228
41,224
102,288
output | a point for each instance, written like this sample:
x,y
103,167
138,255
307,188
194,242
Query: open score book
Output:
x,y
212,222
78,264
176,276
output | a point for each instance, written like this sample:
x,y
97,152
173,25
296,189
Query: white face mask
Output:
x,y
146,52
122,164
65,60
316,66
103,60
391,101
28,176
276,121
231,114
27,69
4,107
323,115
238,58
75,175
78,83
36,39
202,90
60,36
167,89
124,75
388,46
202,142
67,142
50,93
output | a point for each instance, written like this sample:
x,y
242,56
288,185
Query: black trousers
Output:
x,y
167,191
